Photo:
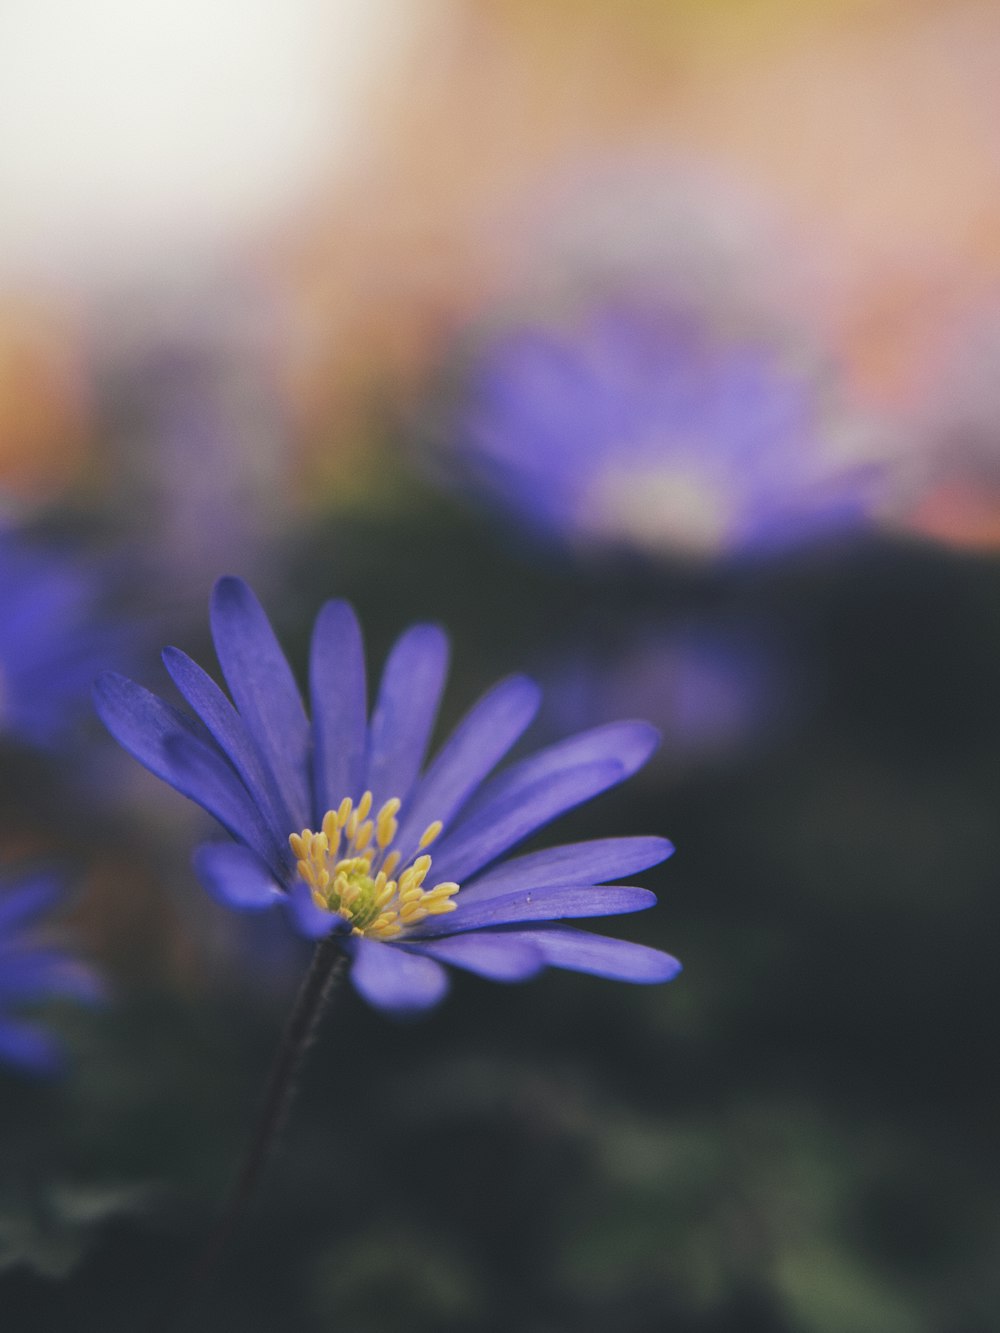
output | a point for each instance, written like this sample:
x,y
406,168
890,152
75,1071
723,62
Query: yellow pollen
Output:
x,y
355,877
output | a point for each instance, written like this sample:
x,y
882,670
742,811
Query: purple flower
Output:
x,y
52,642
714,685
334,818
643,430
32,970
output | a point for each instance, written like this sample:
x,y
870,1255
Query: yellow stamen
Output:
x,y
351,869
391,862
430,834
364,835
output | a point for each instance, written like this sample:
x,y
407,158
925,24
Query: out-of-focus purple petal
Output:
x,y
395,980
472,750
601,956
489,954
572,863
236,877
264,691
504,822
309,920
31,897
37,974
29,1048
536,905
404,716
54,638
337,684
228,730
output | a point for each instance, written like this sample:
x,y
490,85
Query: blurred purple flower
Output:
x,y
31,970
197,436
640,430
711,685
53,639
333,818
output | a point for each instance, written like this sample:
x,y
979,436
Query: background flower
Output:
x,y
644,429
33,970
54,638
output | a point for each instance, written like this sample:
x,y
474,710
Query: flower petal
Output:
x,y
601,956
404,715
472,751
264,691
572,863
627,744
29,899
309,920
236,877
177,750
229,732
489,954
339,708
537,905
48,973
503,822
28,1047
204,776
396,980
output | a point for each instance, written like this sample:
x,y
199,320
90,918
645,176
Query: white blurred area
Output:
x,y
138,136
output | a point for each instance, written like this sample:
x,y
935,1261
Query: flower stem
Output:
x,y
325,971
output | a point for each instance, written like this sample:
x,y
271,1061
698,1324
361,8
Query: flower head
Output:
x,y
32,970
339,820
642,430
52,642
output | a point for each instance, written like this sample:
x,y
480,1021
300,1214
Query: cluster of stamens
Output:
x,y
352,869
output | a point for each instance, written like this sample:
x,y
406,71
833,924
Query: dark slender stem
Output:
x,y
325,970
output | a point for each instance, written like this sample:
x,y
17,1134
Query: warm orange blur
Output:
x,y
43,400
865,129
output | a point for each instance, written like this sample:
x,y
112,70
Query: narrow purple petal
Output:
x,y
601,956
339,708
492,955
470,753
404,715
395,980
264,691
29,1048
178,750
206,778
573,863
537,905
236,877
229,732
627,744
30,899
506,821
140,720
